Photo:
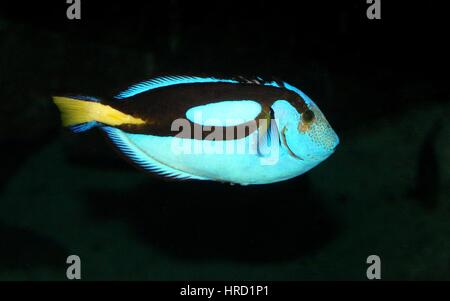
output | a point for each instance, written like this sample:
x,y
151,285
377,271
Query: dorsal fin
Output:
x,y
257,80
165,81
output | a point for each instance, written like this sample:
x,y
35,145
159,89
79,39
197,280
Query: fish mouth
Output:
x,y
283,138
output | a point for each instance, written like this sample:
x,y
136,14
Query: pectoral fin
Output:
x,y
268,136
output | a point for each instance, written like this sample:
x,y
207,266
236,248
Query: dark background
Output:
x,y
383,85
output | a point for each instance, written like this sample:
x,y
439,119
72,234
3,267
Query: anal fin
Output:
x,y
143,160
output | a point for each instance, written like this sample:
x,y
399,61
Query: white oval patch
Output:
x,y
224,113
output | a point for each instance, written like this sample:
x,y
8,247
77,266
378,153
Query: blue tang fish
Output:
x,y
235,130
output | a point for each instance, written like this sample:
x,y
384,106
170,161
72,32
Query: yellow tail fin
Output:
x,y
75,112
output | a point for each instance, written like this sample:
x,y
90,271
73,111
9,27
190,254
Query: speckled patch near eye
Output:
x,y
321,132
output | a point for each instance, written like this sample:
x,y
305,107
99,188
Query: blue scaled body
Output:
x,y
235,130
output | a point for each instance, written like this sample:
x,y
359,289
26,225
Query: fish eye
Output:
x,y
308,116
